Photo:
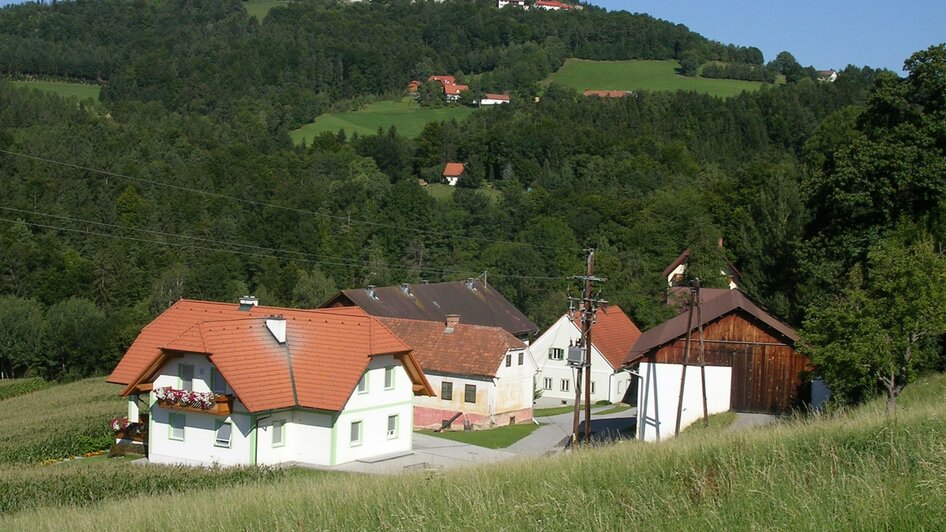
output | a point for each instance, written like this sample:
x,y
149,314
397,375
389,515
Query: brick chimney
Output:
x,y
452,321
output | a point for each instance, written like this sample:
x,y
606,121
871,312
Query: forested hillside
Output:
x,y
183,182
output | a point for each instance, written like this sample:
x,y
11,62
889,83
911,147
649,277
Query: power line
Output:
x,y
256,203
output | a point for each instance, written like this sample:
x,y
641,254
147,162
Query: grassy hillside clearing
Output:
x,y
443,192
406,115
853,471
582,74
82,91
59,421
260,8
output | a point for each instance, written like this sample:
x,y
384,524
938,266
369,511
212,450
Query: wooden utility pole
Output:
x,y
686,357
588,308
699,323
577,406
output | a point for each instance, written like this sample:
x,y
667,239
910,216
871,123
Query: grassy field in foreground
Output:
x,y
853,471
14,387
260,8
82,91
634,75
59,421
497,438
406,115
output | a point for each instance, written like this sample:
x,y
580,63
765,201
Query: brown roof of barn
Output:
x,y
714,308
465,350
324,356
475,302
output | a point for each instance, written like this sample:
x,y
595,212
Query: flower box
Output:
x,y
221,405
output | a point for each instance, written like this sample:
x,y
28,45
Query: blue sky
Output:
x,y
822,33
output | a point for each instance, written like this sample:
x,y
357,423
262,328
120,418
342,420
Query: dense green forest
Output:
x,y
183,182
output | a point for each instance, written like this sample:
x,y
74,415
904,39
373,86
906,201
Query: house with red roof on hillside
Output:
x,y
227,384
612,336
452,172
494,99
484,375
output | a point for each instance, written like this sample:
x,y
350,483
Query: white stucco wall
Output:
x,y
485,394
608,384
659,394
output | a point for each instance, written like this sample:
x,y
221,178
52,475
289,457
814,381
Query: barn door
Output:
x,y
748,386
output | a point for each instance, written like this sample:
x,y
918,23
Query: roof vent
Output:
x,y
406,288
452,321
248,302
277,327
471,284
372,293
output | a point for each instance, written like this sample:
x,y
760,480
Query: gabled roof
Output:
x,y
712,309
324,356
466,350
613,334
452,89
684,255
493,96
453,169
446,80
475,302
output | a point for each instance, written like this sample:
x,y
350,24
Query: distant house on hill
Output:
x,y
827,75
675,272
414,86
452,93
443,80
612,336
227,384
606,94
494,99
474,300
554,5
524,4
452,172
751,365
483,375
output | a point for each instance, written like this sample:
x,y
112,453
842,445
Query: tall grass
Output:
x,y
858,470
59,421
14,387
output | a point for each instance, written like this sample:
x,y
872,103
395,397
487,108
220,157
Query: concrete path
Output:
x,y
746,420
556,431
430,453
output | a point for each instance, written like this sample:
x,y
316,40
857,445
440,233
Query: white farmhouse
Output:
x,y
225,385
484,375
612,336
494,99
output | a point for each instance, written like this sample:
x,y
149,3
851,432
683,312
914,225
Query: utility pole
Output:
x,y
699,322
588,309
686,357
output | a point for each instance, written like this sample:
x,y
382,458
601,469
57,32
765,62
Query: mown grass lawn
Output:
x,y
260,8
406,115
444,192
497,438
638,75
82,91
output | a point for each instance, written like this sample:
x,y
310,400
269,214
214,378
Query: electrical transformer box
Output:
x,y
576,355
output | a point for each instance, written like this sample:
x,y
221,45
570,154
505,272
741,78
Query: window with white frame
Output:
x,y
389,378
565,384
224,431
355,437
279,433
508,359
176,422
548,383
556,353
392,426
186,373
363,383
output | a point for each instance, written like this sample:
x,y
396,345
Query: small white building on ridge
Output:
x,y
221,384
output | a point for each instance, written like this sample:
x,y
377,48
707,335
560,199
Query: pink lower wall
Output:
x,y
425,417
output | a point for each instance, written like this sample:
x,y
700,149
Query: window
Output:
x,y
548,383
556,353
469,393
389,378
217,382
279,433
521,354
177,422
186,373
224,431
355,433
446,391
508,359
392,426
565,385
363,383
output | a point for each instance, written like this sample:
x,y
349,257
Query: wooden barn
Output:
x,y
750,357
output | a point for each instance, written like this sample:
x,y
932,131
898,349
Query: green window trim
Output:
x,y
171,417
282,433
215,379
364,381
393,432
361,433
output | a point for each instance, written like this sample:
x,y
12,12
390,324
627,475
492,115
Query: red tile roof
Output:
x,y
453,170
492,96
553,4
446,80
613,334
467,350
325,353
455,89
414,85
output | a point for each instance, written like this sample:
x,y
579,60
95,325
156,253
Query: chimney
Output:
x,y
470,283
371,291
452,321
406,288
248,302
277,327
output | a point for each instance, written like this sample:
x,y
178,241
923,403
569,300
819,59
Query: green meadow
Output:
x,y
636,75
260,8
82,91
406,115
